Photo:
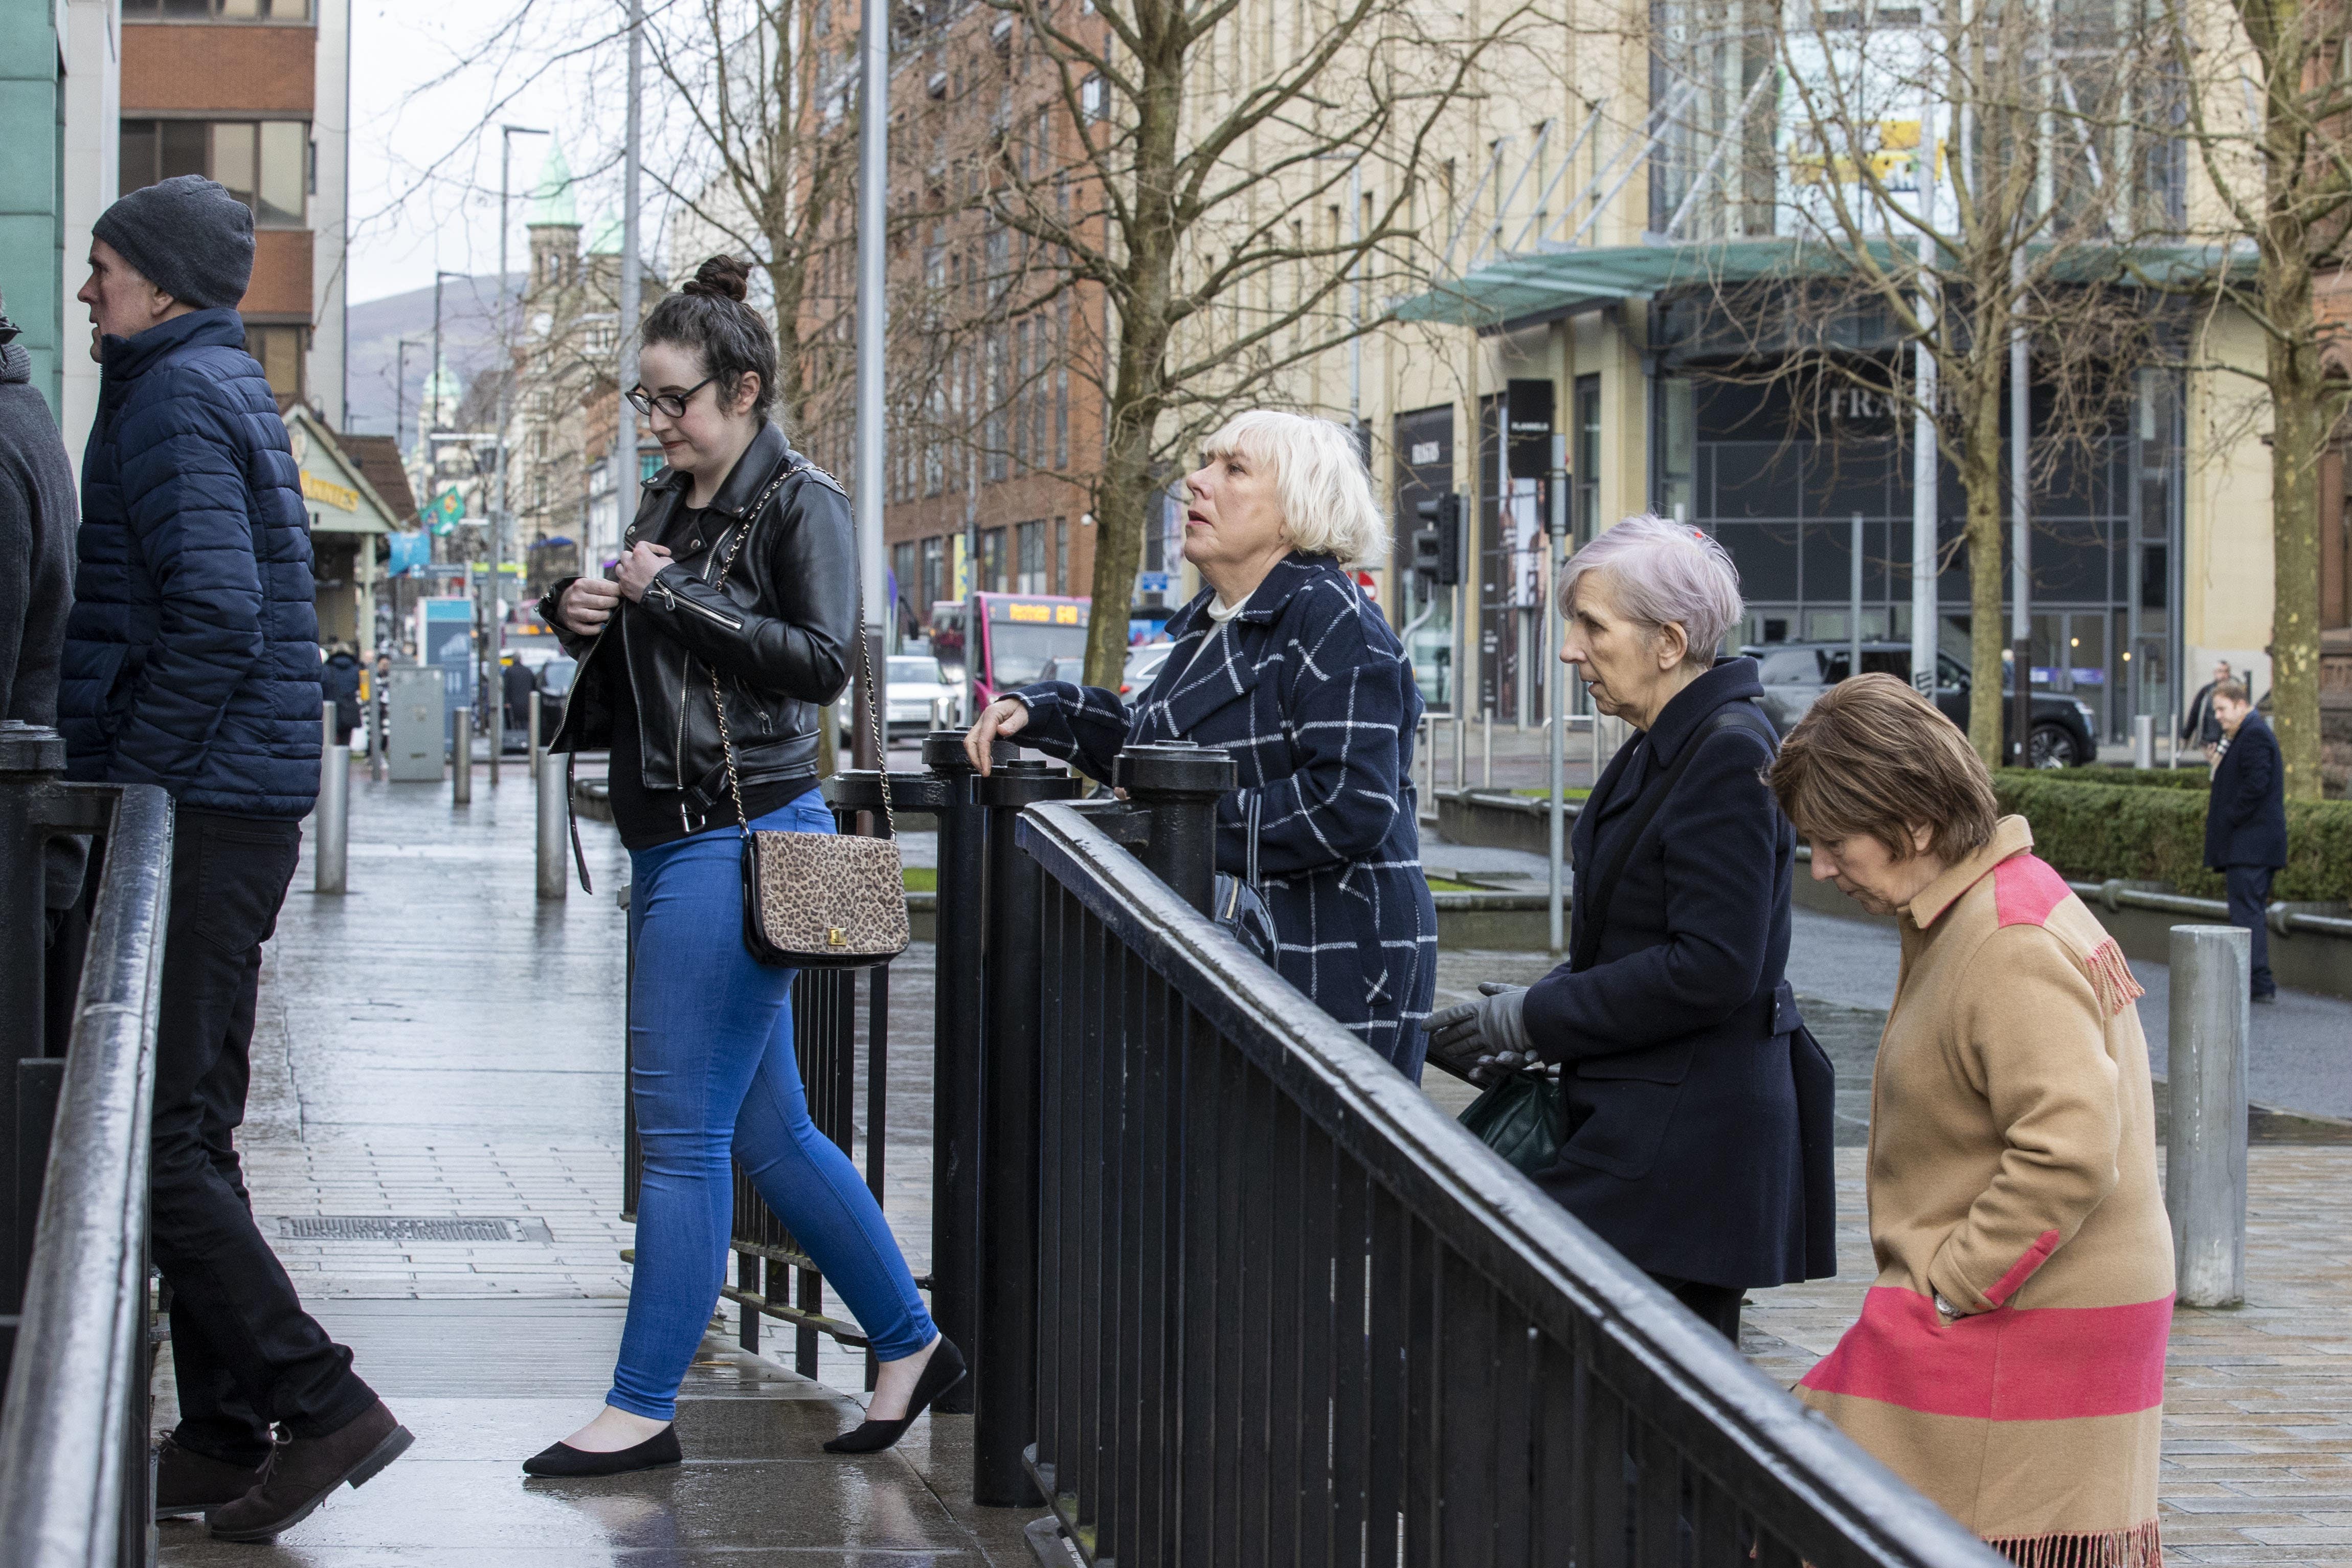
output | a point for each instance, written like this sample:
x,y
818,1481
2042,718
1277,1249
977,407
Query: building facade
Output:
x,y
256,94
60,80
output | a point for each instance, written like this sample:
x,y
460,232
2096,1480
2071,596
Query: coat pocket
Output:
x,y
1618,1125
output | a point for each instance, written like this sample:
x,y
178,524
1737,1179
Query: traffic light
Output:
x,y
1437,543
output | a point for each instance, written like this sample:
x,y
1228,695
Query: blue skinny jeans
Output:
x,y
715,1079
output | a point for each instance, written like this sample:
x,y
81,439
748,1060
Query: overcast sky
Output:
x,y
426,77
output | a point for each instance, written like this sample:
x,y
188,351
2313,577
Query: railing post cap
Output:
x,y
943,751
1176,769
30,748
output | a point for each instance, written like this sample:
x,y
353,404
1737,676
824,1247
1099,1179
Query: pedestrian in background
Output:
x,y
1699,1107
1281,660
2245,822
339,683
192,663
37,518
2009,1361
713,1077
2199,726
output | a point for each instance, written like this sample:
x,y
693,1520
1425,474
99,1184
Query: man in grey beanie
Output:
x,y
192,663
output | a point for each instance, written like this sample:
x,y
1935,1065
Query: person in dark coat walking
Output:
x,y
37,518
191,664
2245,822
2201,728
1698,1106
339,683
1282,662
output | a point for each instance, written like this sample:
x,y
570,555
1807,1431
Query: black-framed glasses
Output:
x,y
671,403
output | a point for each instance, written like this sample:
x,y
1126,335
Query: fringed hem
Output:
x,y
2138,1547
2112,977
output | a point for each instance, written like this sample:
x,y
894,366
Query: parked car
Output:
x,y
1143,668
912,683
1796,673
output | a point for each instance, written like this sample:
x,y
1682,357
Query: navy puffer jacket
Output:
x,y
192,655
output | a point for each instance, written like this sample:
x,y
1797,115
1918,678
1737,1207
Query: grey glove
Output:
x,y
1485,1041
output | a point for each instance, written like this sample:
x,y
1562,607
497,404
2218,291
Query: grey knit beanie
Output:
x,y
188,236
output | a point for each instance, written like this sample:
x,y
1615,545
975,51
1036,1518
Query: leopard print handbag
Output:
x,y
817,901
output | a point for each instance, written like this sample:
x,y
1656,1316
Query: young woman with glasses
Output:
x,y
712,1069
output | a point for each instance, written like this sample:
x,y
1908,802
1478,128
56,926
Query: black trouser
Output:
x,y
243,1352
2249,902
1717,1306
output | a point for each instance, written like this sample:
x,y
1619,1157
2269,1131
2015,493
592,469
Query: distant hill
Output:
x,y
469,342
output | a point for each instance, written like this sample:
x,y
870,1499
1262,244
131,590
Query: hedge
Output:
x,y
2095,831
2191,775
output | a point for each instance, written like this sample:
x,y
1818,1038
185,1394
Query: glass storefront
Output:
x,y
1781,485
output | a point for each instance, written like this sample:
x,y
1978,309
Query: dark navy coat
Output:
x,y
1685,1151
2245,818
1312,693
192,655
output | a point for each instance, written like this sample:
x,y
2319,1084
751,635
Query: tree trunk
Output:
x,y
1984,483
2298,435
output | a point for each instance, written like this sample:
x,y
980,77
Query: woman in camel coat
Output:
x,y
2010,1359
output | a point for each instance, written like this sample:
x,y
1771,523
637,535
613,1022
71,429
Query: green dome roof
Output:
x,y
607,239
551,204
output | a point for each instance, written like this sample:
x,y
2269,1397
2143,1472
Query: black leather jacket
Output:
x,y
780,631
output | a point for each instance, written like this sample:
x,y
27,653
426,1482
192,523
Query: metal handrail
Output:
x,y
75,1415
1807,1491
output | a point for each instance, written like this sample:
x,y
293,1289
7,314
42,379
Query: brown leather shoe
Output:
x,y
303,1470
187,1482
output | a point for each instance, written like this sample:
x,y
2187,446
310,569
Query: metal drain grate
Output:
x,y
384,1227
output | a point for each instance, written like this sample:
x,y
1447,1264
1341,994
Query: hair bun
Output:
x,y
721,278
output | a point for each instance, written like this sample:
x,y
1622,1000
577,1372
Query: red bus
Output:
x,y
1024,639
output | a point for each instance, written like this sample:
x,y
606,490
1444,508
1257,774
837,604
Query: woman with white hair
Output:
x,y
1282,662
1699,1108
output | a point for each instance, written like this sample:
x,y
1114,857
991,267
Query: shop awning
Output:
x,y
1548,284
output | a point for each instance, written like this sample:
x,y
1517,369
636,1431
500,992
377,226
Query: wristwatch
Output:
x,y
1946,1308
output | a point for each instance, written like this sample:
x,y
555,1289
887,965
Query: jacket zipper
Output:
x,y
672,602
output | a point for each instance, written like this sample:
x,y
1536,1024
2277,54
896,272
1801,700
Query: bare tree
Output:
x,y
1195,202
2269,118
1951,191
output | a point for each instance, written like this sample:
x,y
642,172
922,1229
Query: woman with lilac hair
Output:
x,y
1698,1106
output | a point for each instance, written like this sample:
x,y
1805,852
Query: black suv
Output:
x,y
1795,673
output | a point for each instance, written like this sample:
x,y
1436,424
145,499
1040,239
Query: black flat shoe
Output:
x,y
942,1373
563,1459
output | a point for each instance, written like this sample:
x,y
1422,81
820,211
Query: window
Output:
x,y
1090,97
935,579
1031,540
902,573
265,164
215,10
1061,556
992,578
279,348
1587,521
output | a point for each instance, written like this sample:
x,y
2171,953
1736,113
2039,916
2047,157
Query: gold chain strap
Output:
x,y
865,660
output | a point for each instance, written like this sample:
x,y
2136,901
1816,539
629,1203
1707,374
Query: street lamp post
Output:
x,y
494,638
625,419
400,396
873,232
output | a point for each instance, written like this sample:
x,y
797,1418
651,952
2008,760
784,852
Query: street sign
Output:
x,y
446,509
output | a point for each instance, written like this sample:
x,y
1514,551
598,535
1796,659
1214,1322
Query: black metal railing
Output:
x,y
75,1473
1289,1312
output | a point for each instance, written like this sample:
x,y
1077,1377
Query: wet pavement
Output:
x,y
439,1044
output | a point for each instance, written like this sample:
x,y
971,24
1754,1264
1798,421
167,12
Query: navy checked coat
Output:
x,y
1313,695
192,654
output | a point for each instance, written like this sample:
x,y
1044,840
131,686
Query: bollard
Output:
x,y
326,728
461,755
2205,1165
533,743
2144,741
334,821
1179,784
554,805
1004,1370
956,1047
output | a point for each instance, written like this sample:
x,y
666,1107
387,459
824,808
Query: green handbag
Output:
x,y
1522,1118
